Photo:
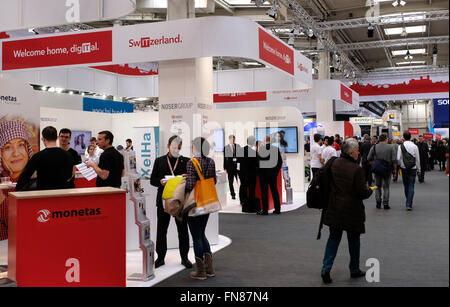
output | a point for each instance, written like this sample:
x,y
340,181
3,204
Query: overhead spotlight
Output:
x,y
310,33
408,56
404,33
435,49
291,40
398,2
402,2
370,31
272,12
258,2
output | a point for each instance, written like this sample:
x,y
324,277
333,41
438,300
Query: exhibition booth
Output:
x,y
200,39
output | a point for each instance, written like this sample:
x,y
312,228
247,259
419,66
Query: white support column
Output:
x,y
185,90
324,107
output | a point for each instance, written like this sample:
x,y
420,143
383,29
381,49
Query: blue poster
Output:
x,y
106,106
441,116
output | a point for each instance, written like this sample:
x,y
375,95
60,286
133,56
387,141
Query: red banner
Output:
x,y
414,131
275,52
72,49
438,136
428,136
346,94
240,97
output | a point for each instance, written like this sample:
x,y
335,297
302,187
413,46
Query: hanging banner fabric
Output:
x,y
162,41
146,146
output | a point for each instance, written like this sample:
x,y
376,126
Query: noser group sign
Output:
x,y
162,41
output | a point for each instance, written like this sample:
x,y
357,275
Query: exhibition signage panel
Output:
x,y
162,41
22,14
146,146
438,136
346,94
240,97
413,131
60,50
72,237
106,106
441,113
275,52
428,135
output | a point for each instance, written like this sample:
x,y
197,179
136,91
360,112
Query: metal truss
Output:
x,y
324,40
396,43
384,20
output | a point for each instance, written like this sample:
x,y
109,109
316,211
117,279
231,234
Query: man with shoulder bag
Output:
x,y
383,159
409,160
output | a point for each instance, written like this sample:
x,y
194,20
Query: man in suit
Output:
x,y
269,162
423,152
248,166
230,159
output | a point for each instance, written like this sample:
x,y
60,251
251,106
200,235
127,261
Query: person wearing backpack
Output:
x,y
345,211
384,160
409,161
172,164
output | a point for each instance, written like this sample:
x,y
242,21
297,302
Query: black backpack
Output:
x,y
381,167
408,159
319,191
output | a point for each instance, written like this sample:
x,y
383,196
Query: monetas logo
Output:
x,y
43,216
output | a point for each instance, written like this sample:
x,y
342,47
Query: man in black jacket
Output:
x,y
230,158
171,164
365,149
346,210
248,166
423,152
269,163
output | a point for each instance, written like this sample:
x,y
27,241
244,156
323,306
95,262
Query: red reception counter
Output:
x,y
72,237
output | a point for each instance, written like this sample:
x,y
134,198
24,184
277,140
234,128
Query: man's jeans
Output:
x,y
383,185
409,179
332,248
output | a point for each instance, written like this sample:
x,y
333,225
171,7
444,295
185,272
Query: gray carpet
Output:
x,y
282,251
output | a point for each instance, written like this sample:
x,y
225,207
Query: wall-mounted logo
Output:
x,y
43,216
442,102
147,42
302,68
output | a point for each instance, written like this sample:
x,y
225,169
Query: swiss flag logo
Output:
x,y
346,94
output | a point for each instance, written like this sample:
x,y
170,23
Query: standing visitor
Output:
x,y
230,158
328,150
316,154
423,152
247,174
64,143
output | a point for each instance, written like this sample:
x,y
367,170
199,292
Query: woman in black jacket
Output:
x,y
345,210
171,164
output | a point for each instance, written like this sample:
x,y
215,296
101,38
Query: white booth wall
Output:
x,y
285,116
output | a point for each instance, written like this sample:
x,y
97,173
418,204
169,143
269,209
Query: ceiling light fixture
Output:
x,y
370,30
273,11
408,56
398,2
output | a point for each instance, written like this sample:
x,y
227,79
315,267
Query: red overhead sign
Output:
x,y
428,136
72,49
346,94
275,52
240,97
414,131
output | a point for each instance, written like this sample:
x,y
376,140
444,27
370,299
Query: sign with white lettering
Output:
x,y
147,148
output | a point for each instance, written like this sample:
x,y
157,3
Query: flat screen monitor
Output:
x,y
80,141
219,140
281,136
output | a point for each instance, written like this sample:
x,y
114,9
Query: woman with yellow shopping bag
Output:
x,y
200,172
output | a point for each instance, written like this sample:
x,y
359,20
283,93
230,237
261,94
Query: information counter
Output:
x,y
71,237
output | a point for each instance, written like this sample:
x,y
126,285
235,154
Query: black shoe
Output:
x,y
233,197
186,263
276,212
326,277
386,207
159,262
262,213
378,205
358,274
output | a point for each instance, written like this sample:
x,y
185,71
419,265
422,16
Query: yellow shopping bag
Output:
x,y
170,187
205,194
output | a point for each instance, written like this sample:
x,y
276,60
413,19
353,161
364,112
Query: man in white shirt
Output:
x,y
328,151
408,151
98,150
316,154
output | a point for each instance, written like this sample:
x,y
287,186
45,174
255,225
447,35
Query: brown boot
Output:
x,y
200,272
209,268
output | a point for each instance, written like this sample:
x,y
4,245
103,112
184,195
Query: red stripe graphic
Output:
x,y
240,97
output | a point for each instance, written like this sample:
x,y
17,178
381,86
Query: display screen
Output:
x,y
80,141
219,140
286,137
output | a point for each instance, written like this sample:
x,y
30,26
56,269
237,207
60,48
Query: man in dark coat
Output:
x,y
230,156
423,152
365,149
345,210
248,166
269,164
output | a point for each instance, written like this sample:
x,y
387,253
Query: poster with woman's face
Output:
x,y
80,141
19,127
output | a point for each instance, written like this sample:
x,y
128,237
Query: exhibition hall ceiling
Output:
x,y
406,35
